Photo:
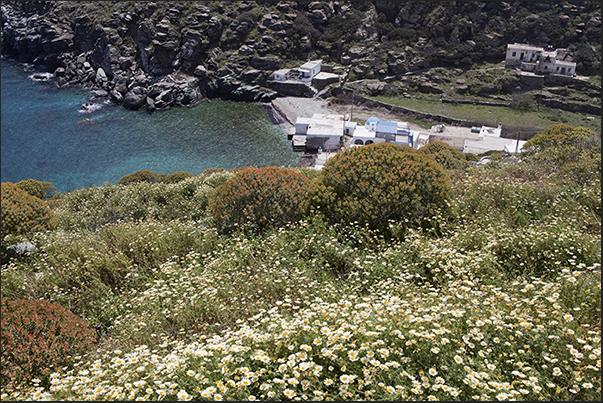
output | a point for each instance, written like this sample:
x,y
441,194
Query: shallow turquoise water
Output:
x,y
45,137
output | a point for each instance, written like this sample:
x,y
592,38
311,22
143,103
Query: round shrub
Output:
x,y
258,198
36,188
558,135
379,183
37,337
177,177
446,155
141,176
23,213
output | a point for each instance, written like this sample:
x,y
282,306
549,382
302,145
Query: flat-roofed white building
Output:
x,y
281,75
311,68
538,60
323,132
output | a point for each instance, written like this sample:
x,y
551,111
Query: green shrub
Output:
x,y
38,336
378,183
141,176
471,157
177,177
558,135
96,206
574,153
23,213
258,198
41,190
446,155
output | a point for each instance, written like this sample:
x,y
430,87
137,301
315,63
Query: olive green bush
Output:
x,y
177,177
36,188
380,183
23,213
141,176
573,152
446,155
258,198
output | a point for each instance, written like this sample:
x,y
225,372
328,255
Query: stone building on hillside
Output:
x,y
539,60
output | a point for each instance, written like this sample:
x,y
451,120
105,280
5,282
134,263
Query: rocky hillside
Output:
x,y
157,55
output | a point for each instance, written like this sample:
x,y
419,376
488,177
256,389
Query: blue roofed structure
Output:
x,y
386,130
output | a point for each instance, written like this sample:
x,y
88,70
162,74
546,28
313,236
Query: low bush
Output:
x,y
23,213
258,198
177,177
41,190
96,206
380,183
39,336
141,176
446,155
574,153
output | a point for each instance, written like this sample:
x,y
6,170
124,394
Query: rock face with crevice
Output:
x,y
158,55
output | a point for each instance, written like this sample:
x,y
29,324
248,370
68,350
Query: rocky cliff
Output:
x,y
157,55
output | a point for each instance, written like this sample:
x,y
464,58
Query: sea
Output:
x,y
46,135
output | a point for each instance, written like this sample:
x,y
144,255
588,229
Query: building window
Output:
x,y
514,53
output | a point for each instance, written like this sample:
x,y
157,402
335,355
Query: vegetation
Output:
x,y
258,198
531,121
575,152
41,190
446,155
38,336
22,212
501,302
380,183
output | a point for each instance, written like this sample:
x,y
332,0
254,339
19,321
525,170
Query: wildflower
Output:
x,y
433,372
182,395
346,378
458,359
556,371
289,393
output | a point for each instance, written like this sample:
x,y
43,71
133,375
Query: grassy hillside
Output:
x,y
498,298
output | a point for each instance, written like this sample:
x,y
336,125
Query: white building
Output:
x,y
281,75
322,132
311,68
538,60
474,140
380,131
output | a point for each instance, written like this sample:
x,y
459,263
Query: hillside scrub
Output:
x,y
258,198
381,183
23,213
502,302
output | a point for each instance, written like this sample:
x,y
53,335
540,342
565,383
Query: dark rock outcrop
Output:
x,y
120,46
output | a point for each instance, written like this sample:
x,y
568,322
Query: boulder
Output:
x,y
101,76
200,71
135,98
116,96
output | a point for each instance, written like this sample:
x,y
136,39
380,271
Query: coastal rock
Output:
x,y
292,88
116,96
135,98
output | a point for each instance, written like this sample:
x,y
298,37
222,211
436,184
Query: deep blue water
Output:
x,y
45,137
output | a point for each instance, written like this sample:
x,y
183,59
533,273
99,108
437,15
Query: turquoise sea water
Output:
x,y
45,137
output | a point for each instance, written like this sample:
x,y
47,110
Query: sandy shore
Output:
x,y
290,108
